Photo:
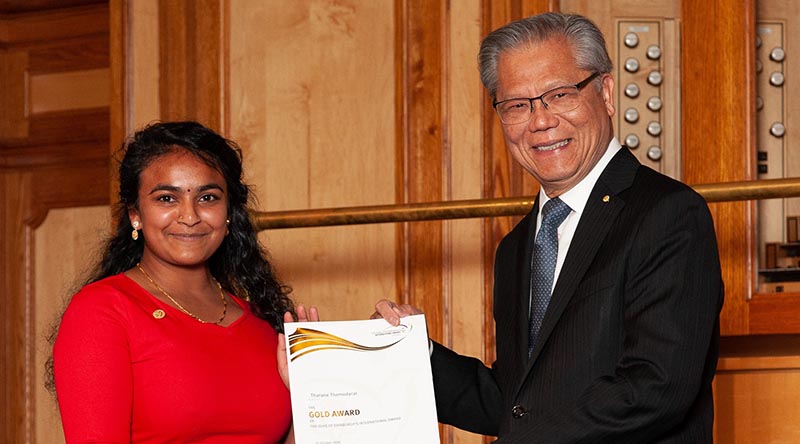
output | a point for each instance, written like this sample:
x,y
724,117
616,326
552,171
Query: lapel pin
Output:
x,y
159,314
606,198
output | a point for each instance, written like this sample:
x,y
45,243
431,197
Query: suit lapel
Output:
x,y
597,218
522,237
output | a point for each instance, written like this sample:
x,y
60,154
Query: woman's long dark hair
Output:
x,y
240,264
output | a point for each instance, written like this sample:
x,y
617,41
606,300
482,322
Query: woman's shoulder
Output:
x,y
111,294
118,284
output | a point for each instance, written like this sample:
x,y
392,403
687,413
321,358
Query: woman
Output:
x,y
174,338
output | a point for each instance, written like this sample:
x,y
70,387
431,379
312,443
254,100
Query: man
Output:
x,y
622,345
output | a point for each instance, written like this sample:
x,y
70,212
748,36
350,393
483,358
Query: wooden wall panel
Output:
x,y
13,63
312,90
55,92
420,143
191,60
27,198
143,77
719,146
13,333
756,391
53,154
63,246
464,298
340,103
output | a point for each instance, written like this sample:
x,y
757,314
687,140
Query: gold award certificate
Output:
x,y
361,382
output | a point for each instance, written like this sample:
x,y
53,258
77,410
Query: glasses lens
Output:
x,y
562,100
514,111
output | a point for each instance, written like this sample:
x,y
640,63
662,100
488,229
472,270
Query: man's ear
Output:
x,y
608,94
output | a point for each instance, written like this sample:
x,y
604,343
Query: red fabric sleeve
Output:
x,y
93,369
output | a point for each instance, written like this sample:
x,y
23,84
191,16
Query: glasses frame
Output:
x,y
578,86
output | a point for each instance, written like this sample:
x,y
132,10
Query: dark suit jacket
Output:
x,y
629,344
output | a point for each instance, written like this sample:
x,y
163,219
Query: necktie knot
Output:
x,y
554,212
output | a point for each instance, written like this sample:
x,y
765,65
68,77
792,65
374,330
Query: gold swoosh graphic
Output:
x,y
308,340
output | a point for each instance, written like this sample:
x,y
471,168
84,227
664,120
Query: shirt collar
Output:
x,y
577,196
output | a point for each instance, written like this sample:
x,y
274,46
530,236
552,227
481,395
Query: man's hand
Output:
x,y
392,312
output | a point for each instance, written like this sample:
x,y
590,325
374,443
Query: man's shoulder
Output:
x,y
648,180
515,238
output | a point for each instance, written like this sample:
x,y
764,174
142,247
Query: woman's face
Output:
x,y
182,211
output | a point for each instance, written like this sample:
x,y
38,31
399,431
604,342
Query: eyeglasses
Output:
x,y
558,100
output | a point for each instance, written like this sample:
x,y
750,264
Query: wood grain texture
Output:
x,y
718,139
62,245
421,141
26,199
79,53
55,92
54,159
119,103
14,336
13,122
54,24
774,313
756,390
191,61
312,101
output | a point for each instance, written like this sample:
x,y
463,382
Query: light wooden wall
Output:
x,y
54,125
318,131
756,391
328,129
65,245
339,103
336,103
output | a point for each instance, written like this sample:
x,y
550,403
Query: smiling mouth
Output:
x,y
552,147
186,236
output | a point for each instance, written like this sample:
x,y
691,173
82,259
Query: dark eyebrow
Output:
x,y
211,186
174,189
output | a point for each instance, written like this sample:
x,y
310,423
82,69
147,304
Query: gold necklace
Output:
x,y
180,307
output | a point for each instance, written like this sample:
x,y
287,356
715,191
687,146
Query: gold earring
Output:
x,y
135,232
227,222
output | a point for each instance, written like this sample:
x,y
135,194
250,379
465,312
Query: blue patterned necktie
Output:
x,y
543,264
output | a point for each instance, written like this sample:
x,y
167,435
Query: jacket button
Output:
x,y
518,411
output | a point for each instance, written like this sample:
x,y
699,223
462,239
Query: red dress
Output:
x,y
124,376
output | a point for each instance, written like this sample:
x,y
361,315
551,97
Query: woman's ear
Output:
x,y
134,218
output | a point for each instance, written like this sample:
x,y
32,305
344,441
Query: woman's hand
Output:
x,y
302,316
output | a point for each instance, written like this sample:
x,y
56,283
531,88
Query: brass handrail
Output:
x,y
510,206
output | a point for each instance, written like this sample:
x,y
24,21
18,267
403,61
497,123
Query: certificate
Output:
x,y
361,382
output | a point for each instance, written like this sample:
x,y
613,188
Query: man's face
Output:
x,y
557,149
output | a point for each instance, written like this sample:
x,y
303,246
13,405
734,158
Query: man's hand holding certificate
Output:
x,y
361,382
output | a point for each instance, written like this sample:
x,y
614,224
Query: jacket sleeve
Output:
x,y
467,394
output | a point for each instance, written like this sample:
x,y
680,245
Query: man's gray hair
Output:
x,y
588,43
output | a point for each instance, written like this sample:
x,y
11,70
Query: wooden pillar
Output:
x,y
718,137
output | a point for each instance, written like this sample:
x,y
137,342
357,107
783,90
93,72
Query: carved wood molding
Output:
x,y
192,51
25,199
53,159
